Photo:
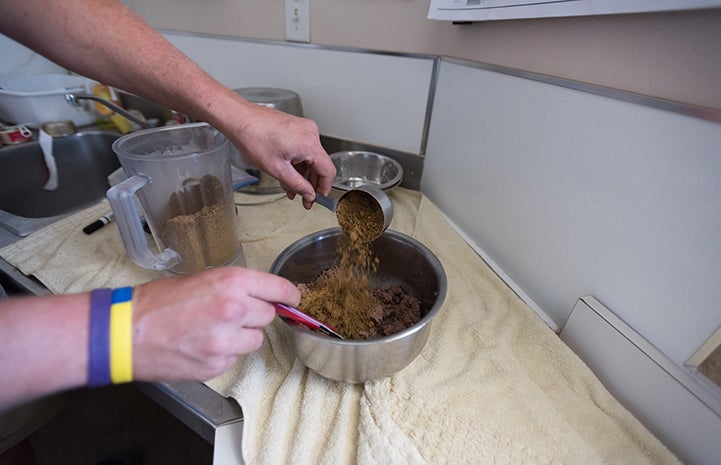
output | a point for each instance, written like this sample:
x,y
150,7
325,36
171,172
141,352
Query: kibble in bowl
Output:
x,y
401,261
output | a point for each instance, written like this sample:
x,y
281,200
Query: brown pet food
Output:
x,y
360,216
358,312
341,296
197,225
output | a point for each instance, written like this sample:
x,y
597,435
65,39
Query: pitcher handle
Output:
x,y
121,197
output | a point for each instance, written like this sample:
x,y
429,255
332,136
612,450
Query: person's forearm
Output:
x,y
43,346
103,40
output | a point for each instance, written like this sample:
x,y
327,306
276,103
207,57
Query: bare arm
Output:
x,y
104,40
43,340
184,328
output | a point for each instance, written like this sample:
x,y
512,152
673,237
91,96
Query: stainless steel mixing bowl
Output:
x,y
357,168
403,261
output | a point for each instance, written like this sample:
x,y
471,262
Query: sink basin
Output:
x,y
84,161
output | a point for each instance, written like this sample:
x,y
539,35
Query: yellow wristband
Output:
x,y
121,336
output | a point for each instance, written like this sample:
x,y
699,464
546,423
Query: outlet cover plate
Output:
x,y
297,20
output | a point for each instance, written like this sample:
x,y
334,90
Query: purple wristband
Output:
x,y
99,338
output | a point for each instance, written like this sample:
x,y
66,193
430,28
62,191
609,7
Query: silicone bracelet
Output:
x,y
121,336
98,338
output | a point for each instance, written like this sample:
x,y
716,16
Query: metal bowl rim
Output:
x,y
390,184
425,321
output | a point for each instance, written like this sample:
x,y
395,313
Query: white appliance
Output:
x,y
484,10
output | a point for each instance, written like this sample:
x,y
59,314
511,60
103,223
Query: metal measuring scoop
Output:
x,y
373,194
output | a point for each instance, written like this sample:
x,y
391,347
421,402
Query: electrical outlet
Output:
x,y
297,20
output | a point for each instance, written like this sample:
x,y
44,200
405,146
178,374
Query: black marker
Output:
x,y
99,223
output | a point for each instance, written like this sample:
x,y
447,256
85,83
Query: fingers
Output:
x,y
194,327
212,357
251,314
288,148
321,172
268,287
314,175
295,183
322,179
243,298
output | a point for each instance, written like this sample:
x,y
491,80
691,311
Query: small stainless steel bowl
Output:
x,y
356,168
284,100
403,261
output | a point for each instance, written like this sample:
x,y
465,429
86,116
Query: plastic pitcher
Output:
x,y
181,178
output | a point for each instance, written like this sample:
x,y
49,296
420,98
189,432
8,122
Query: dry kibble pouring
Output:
x,y
367,205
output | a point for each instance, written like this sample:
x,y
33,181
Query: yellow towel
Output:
x,y
493,384
67,260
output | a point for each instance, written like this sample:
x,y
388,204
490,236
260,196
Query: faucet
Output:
x,y
75,97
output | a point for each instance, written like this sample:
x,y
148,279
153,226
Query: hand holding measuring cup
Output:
x,y
365,211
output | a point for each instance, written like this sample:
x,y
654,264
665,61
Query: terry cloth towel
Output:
x,y
66,260
492,385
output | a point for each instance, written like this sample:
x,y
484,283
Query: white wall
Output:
x,y
365,97
575,194
672,55
16,58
